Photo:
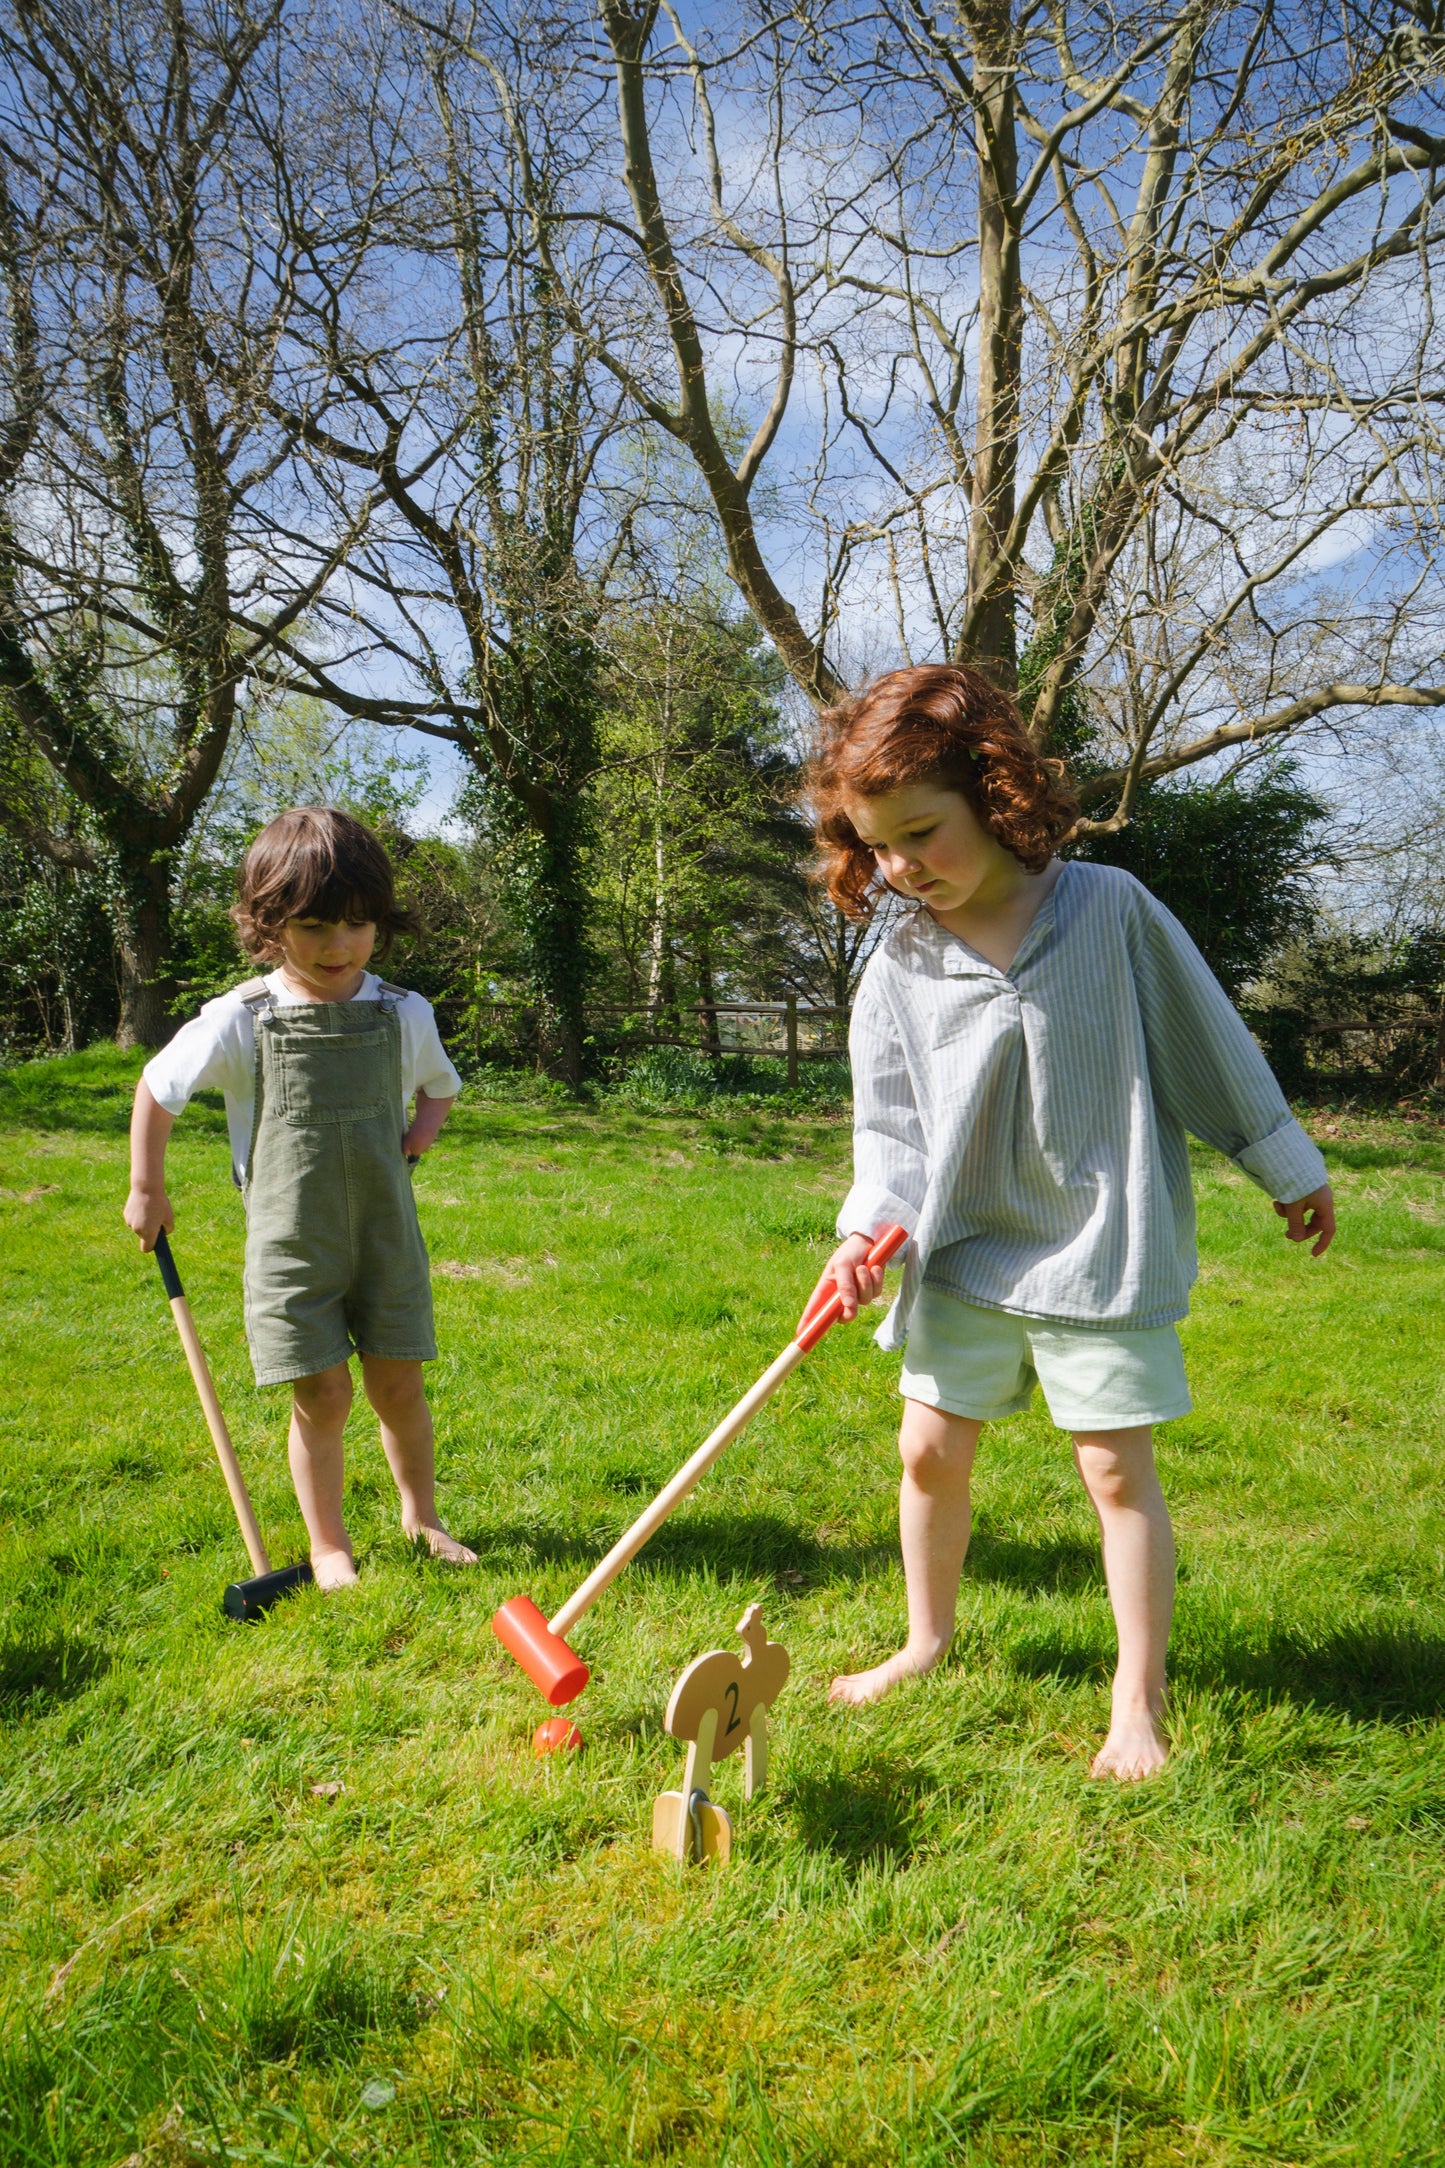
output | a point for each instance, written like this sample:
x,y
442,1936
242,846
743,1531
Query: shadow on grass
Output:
x,y
862,1816
39,1670
749,1543
298,1992
90,1091
1061,1566
496,1121
723,1544
1374,1674
1378,1674
1424,1153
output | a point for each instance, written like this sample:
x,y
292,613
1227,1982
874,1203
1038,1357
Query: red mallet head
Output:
x,y
544,1656
558,1735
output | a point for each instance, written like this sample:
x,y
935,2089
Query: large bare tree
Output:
x,y
453,416
142,476
1094,344
1010,291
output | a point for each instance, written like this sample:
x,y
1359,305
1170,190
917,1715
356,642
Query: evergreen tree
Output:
x,y
1232,860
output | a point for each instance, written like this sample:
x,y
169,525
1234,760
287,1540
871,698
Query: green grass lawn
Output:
x,y
937,1941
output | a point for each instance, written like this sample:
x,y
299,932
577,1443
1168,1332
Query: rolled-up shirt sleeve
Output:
x,y
1205,1068
890,1161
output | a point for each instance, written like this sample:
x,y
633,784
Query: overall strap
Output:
x,y
257,997
388,995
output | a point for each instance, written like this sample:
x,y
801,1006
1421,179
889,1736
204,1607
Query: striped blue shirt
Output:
x,y
1028,1126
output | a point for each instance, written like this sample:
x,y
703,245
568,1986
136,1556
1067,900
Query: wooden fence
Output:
x,y
1408,1049
794,1030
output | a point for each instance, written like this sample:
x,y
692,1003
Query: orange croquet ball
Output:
x,y
558,1735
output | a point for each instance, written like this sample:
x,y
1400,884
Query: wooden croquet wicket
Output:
x,y
718,1705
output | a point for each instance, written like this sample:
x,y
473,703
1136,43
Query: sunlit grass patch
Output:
x,y
301,1892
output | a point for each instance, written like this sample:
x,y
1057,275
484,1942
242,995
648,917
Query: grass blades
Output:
x,y
300,1893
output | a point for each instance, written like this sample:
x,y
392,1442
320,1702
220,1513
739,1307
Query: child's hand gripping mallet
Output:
x,y
243,1599
540,1644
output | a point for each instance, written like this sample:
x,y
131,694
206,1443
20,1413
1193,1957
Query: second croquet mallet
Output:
x,y
268,1583
540,1644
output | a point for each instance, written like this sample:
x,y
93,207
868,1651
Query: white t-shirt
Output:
x,y
217,1051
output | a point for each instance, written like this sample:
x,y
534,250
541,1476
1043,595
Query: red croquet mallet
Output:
x,y
540,1644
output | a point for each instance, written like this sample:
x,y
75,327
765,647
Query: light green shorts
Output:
x,y
986,1363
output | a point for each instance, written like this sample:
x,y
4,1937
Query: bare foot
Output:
x,y
441,1545
333,1569
856,1688
1135,1748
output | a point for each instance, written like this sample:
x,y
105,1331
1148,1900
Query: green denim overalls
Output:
x,y
334,1253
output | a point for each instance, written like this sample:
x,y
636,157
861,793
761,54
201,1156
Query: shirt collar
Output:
x,y
281,992
962,962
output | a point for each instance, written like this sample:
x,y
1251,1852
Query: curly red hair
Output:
x,y
934,723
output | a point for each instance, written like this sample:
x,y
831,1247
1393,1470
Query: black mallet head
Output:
x,y
253,1598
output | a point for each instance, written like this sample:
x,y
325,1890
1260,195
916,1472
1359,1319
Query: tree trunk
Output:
x,y
841,961
668,1017
143,943
657,944
707,993
990,638
554,922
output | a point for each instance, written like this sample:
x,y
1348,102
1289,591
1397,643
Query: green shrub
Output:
x,y
1302,1009
1232,860
667,1076
504,1082
676,1077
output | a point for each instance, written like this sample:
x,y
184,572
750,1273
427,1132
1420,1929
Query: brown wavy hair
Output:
x,y
315,861
934,723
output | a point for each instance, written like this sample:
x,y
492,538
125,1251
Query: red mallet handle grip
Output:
x,y
824,1310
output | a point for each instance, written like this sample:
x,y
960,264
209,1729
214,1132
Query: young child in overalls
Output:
x,y
318,1061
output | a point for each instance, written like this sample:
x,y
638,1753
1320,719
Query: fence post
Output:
x,y
792,1039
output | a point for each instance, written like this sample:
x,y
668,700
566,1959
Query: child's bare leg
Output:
x,y
934,1522
398,1395
1118,1471
320,1406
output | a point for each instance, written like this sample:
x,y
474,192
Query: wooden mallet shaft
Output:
x,y
211,1406
540,1644
268,1584
688,1476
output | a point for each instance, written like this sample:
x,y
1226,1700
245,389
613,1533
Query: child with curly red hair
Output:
x,y
1030,1044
